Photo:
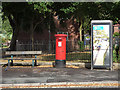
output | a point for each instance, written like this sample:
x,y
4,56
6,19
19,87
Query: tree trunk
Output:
x,y
13,41
15,32
32,38
32,28
32,35
83,34
80,29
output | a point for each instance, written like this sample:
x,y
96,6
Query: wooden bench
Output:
x,y
13,53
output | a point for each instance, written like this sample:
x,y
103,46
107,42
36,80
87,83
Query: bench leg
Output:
x,y
11,62
33,63
8,65
35,60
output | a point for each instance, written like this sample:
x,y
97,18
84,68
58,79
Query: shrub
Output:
x,y
81,43
116,34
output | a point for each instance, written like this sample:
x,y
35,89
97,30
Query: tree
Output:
x,y
43,8
6,28
30,16
82,12
26,16
14,12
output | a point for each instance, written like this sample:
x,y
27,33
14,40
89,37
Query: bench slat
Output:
x,y
21,58
22,52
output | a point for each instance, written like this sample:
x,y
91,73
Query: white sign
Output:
x,y
59,44
100,44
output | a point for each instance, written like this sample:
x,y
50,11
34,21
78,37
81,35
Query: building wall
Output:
x,y
25,36
71,28
116,28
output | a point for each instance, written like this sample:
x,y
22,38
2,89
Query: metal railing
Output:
x,y
49,47
73,51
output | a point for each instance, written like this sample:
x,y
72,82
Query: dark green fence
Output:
x,y
73,50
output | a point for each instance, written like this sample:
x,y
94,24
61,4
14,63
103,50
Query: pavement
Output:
x,y
62,89
50,77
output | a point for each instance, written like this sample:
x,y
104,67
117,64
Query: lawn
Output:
x,y
76,57
73,56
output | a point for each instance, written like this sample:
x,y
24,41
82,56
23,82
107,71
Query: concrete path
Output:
x,y
63,89
51,75
67,85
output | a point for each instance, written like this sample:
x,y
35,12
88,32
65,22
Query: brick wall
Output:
x,y
116,28
71,28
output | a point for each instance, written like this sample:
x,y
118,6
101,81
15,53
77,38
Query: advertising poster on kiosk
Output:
x,y
101,43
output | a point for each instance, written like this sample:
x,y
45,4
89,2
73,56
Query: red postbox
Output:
x,y
60,50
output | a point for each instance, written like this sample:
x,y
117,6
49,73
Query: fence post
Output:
x,y
67,43
1,51
49,42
